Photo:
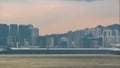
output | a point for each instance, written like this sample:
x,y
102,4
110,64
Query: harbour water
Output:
x,y
59,61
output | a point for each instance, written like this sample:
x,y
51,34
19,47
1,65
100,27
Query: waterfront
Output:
x,y
60,61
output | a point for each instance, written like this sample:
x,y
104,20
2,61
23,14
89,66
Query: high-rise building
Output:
x,y
4,31
24,34
107,37
97,33
115,34
28,33
76,38
13,35
35,34
82,36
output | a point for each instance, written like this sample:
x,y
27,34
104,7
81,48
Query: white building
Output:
x,y
111,37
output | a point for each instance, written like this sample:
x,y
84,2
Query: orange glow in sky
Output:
x,y
59,16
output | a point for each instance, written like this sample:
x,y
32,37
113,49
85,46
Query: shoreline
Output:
x,y
61,55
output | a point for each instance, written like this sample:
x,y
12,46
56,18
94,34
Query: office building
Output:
x,y
13,35
24,34
4,31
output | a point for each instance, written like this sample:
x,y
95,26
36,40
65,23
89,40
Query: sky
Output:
x,y
60,16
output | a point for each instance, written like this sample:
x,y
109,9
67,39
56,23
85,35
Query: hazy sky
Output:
x,y
59,16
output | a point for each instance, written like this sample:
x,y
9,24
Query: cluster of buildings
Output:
x,y
98,37
14,35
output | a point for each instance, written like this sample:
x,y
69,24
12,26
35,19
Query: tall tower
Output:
x,y
4,31
13,34
34,34
24,33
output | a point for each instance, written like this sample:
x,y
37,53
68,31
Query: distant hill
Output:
x,y
114,26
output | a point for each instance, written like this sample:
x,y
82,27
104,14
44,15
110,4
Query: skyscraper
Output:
x,y
13,34
24,34
34,34
4,30
29,34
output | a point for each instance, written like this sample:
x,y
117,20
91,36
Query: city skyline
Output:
x,y
18,36
60,16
